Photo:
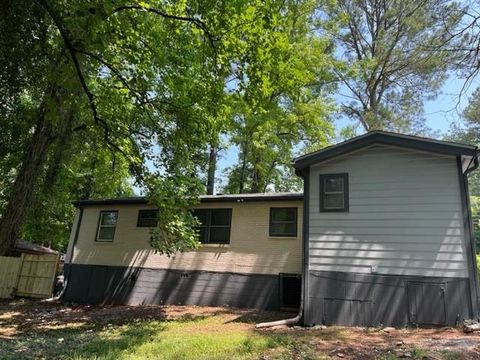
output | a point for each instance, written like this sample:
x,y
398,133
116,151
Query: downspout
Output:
x,y
67,275
298,318
471,233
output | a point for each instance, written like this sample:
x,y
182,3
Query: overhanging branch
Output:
x,y
90,97
190,19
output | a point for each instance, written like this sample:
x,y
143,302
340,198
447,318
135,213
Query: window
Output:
x,y
334,192
215,225
283,222
147,218
106,225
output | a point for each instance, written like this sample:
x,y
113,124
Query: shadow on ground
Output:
x,y
39,330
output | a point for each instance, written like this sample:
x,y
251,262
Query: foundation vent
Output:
x,y
290,291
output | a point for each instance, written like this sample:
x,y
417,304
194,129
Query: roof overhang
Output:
x,y
228,198
385,138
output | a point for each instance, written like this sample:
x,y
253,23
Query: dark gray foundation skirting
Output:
x,y
95,284
371,300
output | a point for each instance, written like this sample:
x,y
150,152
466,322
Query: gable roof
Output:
x,y
140,200
385,138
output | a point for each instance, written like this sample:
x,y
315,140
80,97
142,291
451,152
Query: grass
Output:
x,y
42,331
419,353
204,338
450,355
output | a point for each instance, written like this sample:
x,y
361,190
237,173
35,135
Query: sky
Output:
x,y
440,113
447,108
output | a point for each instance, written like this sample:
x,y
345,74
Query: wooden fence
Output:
x,y
9,270
28,275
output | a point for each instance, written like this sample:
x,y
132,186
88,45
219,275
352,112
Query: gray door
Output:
x,y
426,303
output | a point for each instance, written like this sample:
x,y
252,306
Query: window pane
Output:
x,y
148,214
334,184
283,214
106,233
147,222
284,229
220,217
333,201
201,215
147,218
202,234
219,235
109,218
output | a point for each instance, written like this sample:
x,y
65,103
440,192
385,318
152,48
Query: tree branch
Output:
x,y
197,22
90,97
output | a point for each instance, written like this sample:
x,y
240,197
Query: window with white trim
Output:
x,y
106,226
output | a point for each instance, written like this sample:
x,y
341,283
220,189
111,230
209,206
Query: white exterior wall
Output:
x,y
251,249
405,215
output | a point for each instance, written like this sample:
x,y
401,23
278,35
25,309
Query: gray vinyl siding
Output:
x,y
405,215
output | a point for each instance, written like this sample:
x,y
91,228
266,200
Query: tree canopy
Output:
x,y
143,83
395,58
101,98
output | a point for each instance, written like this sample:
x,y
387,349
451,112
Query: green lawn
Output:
x,y
56,331
207,338
216,336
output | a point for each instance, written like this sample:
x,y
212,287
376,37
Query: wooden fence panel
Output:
x,y
9,271
37,275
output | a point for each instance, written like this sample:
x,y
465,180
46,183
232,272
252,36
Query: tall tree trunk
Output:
x,y
256,176
269,174
244,168
24,185
212,166
22,195
64,135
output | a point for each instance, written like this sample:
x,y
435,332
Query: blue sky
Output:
x,y
439,113
447,108
444,110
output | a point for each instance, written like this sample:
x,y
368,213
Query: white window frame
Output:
x,y
100,226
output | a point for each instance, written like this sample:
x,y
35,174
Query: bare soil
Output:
x,y
18,318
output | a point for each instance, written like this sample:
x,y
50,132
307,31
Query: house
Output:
x,y
249,242
382,235
388,232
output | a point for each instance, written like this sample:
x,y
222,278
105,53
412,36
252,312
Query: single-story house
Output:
x,y
249,240
382,235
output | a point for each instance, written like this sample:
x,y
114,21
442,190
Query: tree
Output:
x,y
282,104
395,58
469,133
109,60
464,43
137,74
85,171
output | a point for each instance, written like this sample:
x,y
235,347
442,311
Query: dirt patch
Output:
x,y
23,318
375,343
20,317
